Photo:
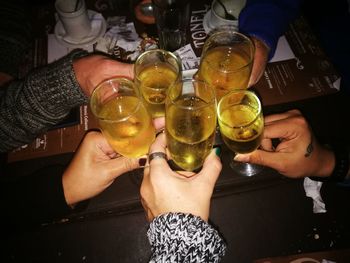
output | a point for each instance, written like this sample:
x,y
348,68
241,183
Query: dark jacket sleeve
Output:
x,y
267,20
178,237
44,98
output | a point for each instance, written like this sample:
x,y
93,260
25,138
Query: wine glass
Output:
x,y
241,125
190,121
155,70
122,117
226,61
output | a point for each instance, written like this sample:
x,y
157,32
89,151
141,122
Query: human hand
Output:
x,y
94,167
260,60
298,154
91,70
164,190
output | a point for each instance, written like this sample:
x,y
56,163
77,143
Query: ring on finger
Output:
x,y
156,155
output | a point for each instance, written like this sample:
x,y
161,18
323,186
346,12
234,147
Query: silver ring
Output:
x,y
156,155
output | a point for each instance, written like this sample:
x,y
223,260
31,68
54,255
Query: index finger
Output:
x,y
281,116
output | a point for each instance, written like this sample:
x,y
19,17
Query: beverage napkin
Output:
x,y
312,189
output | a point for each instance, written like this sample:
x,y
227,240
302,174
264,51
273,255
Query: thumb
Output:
x,y
121,165
260,157
123,69
211,167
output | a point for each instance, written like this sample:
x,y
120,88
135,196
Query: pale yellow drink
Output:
x,y
190,122
122,117
155,70
132,135
226,68
190,133
241,128
153,82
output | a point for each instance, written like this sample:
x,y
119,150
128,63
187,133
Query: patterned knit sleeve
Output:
x,y
178,237
45,97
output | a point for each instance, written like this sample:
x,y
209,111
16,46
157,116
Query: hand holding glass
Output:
x,y
190,121
122,117
241,125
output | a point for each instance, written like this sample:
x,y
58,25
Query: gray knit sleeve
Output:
x,y
44,98
178,237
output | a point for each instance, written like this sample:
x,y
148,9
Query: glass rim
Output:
x,y
99,86
163,51
210,102
248,39
253,94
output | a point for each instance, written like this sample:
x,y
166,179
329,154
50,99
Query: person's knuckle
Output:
x,y
129,164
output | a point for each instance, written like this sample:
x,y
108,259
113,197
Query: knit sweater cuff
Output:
x,y
178,237
56,87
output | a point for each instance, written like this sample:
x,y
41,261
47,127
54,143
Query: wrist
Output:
x,y
326,164
340,165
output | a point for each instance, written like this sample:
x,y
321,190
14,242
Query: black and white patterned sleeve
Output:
x,y
179,237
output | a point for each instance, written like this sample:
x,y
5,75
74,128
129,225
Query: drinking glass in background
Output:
x,y
122,117
226,61
155,70
241,125
172,19
190,121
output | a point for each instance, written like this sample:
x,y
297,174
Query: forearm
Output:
x,y
178,237
42,99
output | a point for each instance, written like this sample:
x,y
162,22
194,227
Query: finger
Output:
x,y
119,166
257,70
159,145
212,167
123,69
159,123
269,159
281,116
96,139
105,147
266,144
159,166
260,60
277,129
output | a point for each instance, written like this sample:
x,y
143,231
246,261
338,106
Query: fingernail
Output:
x,y
218,151
142,162
241,158
159,131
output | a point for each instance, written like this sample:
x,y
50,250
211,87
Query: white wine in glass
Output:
x,y
122,117
155,70
241,125
190,122
227,61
